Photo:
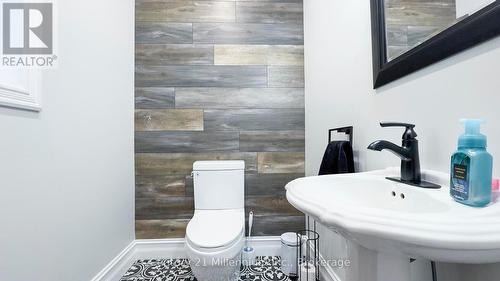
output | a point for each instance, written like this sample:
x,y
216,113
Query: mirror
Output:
x,y
411,34
409,23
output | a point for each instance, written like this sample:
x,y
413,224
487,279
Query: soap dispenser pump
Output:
x,y
471,167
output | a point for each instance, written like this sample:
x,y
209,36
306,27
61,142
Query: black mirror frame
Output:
x,y
475,29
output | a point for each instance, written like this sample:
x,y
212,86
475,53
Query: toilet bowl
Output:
x,y
216,233
214,240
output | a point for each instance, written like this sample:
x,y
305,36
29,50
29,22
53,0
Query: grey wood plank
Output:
x,y
277,1
263,205
400,2
201,76
419,34
201,11
173,54
182,163
190,185
248,33
163,33
155,97
262,12
185,11
168,120
159,186
254,119
259,55
171,142
265,184
395,51
157,229
257,184
286,76
273,1
420,13
280,162
270,205
193,97
396,35
266,225
261,141
164,208
150,10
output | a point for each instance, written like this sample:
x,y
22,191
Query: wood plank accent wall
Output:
x,y
217,80
410,22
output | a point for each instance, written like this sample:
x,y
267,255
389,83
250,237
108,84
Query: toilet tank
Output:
x,y
219,185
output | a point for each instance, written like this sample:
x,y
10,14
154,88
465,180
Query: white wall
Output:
x,y
339,92
67,174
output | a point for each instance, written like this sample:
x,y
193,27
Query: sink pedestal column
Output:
x,y
392,267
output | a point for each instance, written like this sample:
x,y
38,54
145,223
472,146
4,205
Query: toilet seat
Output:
x,y
215,230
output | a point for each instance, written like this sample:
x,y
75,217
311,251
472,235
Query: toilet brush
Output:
x,y
250,224
248,251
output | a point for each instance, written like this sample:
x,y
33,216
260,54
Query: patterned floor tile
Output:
x,y
266,268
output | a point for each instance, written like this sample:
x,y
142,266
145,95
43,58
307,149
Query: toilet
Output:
x,y
215,235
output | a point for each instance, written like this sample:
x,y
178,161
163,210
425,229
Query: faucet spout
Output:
x,y
408,152
401,152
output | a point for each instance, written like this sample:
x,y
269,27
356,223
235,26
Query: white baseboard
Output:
x,y
159,249
266,245
119,265
171,248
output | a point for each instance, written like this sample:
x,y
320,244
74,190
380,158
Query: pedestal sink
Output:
x,y
400,221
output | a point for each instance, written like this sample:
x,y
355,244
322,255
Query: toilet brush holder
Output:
x,y
248,256
248,253
308,261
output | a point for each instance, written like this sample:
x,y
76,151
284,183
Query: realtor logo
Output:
x,y
28,34
27,28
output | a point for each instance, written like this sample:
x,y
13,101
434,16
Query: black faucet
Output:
x,y
408,152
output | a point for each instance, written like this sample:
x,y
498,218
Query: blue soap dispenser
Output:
x,y
471,167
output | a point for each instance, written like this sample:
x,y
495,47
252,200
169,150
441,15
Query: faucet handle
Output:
x,y
396,124
409,132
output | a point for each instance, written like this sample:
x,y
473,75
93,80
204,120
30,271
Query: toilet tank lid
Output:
x,y
219,165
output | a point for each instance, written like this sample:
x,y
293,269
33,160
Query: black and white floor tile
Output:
x,y
266,268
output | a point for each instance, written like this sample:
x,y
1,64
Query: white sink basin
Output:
x,y
398,219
